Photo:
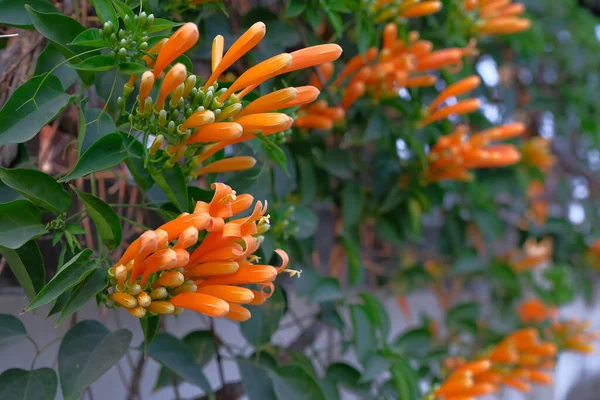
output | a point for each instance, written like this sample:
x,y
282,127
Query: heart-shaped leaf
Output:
x,y
87,351
12,331
19,384
38,187
20,221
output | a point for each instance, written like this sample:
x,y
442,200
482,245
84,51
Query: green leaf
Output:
x,y
135,161
105,12
291,382
348,377
377,312
375,365
161,24
295,8
273,151
96,63
13,12
405,380
19,384
175,355
337,163
255,377
365,340
93,284
21,118
308,181
306,222
123,10
60,302
353,254
265,319
38,187
97,124
90,38
150,328
70,275
87,351
105,218
415,342
132,68
328,289
48,61
20,221
27,264
103,154
12,331
172,182
352,203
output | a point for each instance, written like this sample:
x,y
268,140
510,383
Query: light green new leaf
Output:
x,y
172,182
90,38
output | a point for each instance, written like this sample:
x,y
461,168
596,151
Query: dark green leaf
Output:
x,y
96,63
70,275
415,342
265,319
175,355
135,161
13,12
160,24
255,376
352,203
172,182
306,222
60,302
86,352
105,12
27,264
12,331
150,328
291,382
98,123
353,254
377,312
295,8
90,38
365,340
20,221
132,68
308,181
337,163
93,284
38,187
48,61
19,384
103,154
21,118
273,151
105,218
328,289
375,365
348,377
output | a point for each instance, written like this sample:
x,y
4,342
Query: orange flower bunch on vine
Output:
x,y
535,254
455,154
497,17
400,10
536,153
201,261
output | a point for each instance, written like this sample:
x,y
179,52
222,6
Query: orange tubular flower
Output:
x,y
181,41
215,132
461,87
174,78
145,88
536,153
498,17
217,51
536,311
326,70
422,9
462,107
504,26
228,164
156,277
269,102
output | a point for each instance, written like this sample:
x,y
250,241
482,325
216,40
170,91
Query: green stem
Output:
x,y
134,223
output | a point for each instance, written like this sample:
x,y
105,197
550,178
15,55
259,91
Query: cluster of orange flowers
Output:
x,y
398,10
454,155
497,17
536,153
573,335
157,276
534,255
538,206
535,311
198,120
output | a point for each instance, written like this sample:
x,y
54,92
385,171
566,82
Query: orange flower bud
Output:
x,y
181,41
244,275
439,59
201,303
259,73
504,355
212,269
304,95
420,48
492,7
422,9
502,132
470,5
524,338
390,34
356,63
137,311
540,377
462,107
269,102
161,307
477,367
185,287
459,397
217,51
155,49
334,113
311,121
162,259
216,132
124,299
245,43
175,77
175,227
238,313
198,119
229,293
228,164
504,25
517,384
421,81
258,299
493,377
145,88
326,71
170,279
263,121
461,87
511,10
158,293
314,55
189,237
480,389
455,386
352,94
543,349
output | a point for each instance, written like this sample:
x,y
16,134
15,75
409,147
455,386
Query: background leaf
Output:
x,y
27,264
19,384
291,382
12,331
265,319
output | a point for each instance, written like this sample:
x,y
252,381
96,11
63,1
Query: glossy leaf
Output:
x,y
255,375
135,161
132,68
97,123
172,182
21,118
295,8
38,187
105,11
105,218
49,60
13,12
290,382
365,340
103,154
161,24
96,63
123,10
265,319
89,38
19,384
175,355
86,352
12,331
84,292
71,273
20,221
377,312
27,264
273,151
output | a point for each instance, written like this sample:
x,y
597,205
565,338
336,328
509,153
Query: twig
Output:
x,y
134,384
